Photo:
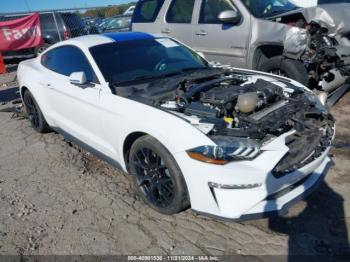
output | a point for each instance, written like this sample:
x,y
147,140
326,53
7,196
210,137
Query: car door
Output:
x,y
178,20
226,43
74,109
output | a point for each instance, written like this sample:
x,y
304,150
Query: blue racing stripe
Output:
x,y
128,36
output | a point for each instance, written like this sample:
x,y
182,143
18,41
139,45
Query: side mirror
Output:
x,y
230,17
78,78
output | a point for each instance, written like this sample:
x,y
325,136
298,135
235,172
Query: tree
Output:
x,y
107,11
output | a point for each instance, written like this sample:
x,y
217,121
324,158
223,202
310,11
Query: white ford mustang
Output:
x,y
233,144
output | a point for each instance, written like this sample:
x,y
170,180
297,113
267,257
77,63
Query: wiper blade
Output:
x,y
186,70
162,76
139,78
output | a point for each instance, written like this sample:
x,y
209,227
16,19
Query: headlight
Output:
x,y
228,149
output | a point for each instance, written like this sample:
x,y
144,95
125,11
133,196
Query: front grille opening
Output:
x,y
304,148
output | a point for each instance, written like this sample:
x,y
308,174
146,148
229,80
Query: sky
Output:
x,y
37,5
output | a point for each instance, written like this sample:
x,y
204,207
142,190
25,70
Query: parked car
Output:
x,y
129,11
92,24
311,45
55,26
103,23
116,24
231,143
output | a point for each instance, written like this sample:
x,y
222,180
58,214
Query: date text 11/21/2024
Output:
x,y
173,258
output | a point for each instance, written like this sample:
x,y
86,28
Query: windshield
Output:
x,y
137,60
268,8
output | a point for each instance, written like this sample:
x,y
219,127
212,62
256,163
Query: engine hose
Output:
x,y
204,87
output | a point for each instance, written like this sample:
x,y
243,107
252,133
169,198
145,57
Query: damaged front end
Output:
x,y
318,37
241,113
327,62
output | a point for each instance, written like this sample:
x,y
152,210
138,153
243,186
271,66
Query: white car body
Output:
x,y
103,122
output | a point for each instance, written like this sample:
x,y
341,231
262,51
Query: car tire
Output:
x,y
38,50
34,113
157,177
286,67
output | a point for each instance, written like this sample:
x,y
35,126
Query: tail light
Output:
x,y
66,34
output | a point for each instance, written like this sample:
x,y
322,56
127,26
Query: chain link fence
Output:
x,y
63,24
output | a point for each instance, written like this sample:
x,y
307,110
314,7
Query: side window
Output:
x,y
66,60
146,11
180,11
48,58
211,9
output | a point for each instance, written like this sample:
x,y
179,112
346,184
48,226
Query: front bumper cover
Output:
x,y
278,203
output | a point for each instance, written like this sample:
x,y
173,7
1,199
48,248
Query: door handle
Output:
x,y
166,31
202,33
45,84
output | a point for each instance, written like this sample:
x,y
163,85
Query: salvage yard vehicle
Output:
x,y
309,45
120,23
230,143
55,27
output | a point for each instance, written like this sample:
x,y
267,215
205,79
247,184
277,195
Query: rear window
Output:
x,y
146,11
47,21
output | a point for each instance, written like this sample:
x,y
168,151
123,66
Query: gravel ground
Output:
x,y
58,199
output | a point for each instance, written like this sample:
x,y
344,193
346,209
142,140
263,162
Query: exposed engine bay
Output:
x,y
326,60
254,107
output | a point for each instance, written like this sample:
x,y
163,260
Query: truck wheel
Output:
x,y
157,177
286,67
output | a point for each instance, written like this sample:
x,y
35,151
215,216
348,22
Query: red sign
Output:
x,y
20,33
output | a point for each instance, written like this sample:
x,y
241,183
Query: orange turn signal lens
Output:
x,y
208,160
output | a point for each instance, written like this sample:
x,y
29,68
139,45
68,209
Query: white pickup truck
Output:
x,y
310,45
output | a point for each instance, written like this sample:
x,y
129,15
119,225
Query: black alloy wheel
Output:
x,y
157,177
34,113
153,178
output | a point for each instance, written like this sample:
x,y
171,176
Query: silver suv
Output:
x,y
310,45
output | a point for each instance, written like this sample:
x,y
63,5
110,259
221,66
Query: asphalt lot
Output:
x,y
57,199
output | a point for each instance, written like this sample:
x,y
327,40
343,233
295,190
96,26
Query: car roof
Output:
x,y
94,40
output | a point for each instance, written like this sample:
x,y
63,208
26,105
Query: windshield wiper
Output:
x,y
139,78
186,70
162,76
